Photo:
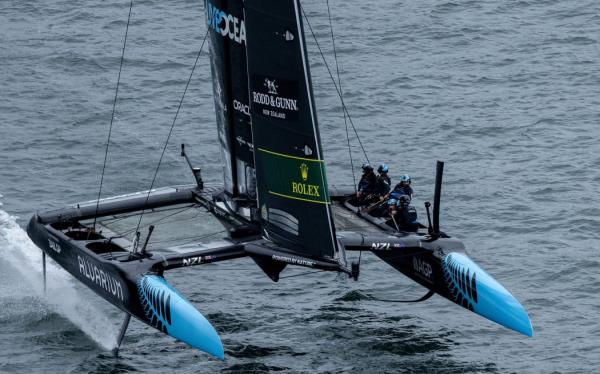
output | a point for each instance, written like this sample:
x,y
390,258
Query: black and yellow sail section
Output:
x,y
291,180
293,177
227,34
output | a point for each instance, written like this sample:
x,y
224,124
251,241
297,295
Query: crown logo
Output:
x,y
304,172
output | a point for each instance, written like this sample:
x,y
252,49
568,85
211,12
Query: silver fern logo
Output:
x,y
156,303
461,283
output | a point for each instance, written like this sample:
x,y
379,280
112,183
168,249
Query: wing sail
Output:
x,y
227,30
291,181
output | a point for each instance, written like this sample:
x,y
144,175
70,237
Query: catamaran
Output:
x,y
275,201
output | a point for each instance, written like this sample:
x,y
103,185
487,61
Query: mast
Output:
x,y
292,185
227,31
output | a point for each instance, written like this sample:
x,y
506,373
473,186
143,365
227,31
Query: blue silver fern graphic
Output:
x,y
461,282
474,289
156,304
168,311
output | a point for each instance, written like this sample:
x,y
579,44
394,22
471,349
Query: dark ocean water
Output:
x,y
506,92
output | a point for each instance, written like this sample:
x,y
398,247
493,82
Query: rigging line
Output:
x,y
194,237
337,69
130,231
297,275
171,129
117,218
227,269
334,84
201,237
112,117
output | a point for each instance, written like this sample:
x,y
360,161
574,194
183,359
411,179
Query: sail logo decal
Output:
x,y
293,177
226,24
106,281
303,188
271,86
241,107
461,283
288,36
304,172
275,98
241,141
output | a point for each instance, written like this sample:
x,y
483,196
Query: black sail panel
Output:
x,y
227,31
291,181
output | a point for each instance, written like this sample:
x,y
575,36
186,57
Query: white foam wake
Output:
x,y
62,296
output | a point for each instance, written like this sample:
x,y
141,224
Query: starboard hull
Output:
x,y
442,266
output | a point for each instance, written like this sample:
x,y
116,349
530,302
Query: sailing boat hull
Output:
x,y
129,283
438,263
456,277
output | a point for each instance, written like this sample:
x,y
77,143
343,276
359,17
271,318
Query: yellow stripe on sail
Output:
x,y
288,156
298,198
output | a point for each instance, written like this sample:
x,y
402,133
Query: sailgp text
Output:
x,y
109,283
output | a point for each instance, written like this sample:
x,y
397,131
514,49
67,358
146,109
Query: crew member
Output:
x,y
383,182
403,215
400,197
366,185
402,188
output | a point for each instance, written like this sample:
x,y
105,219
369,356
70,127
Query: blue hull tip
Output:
x,y
476,290
172,314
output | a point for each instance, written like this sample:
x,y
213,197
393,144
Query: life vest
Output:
x,y
401,191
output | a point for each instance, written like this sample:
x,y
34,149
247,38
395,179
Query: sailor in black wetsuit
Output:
x,y
402,188
366,186
383,182
400,210
382,188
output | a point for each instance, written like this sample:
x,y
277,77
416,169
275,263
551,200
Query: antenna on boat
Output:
x,y
436,197
429,227
196,171
150,229
136,242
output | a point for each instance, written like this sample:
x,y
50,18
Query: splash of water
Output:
x,y
62,297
